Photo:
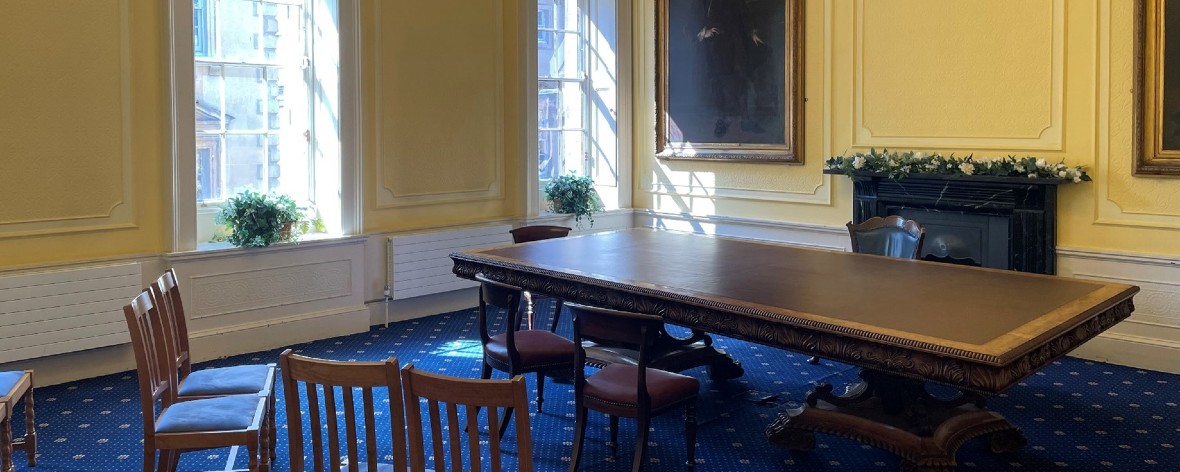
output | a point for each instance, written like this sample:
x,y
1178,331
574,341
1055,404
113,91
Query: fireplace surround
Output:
x,y
998,222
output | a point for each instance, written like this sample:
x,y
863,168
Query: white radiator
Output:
x,y
419,264
54,312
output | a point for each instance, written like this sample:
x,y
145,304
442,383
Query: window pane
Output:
x,y
245,158
244,98
238,31
573,151
549,152
561,58
573,103
209,167
207,81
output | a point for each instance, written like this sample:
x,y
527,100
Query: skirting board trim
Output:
x,y
1135,351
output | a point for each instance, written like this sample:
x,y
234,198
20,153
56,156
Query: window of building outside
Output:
x,y
266,88
577,89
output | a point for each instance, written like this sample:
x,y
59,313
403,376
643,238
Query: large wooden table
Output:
x,y
903,322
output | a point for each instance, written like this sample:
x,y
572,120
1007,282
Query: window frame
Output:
x,y
622,193
180,68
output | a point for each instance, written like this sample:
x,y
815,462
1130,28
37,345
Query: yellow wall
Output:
x,y
83,130
85,146
441,146
1048,78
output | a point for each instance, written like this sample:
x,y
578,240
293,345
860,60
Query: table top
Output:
x,y
987,315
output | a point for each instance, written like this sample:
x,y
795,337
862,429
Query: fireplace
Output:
x,y
998,222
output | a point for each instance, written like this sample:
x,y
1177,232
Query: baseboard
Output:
x,y
277,332
1133,351
71,366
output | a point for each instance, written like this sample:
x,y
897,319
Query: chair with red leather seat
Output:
x,y
526,234
627,390
514,350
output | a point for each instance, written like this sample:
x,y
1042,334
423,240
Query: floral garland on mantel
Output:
x,y
898,165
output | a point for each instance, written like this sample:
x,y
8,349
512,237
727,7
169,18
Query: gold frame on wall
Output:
x,y
731,136
1151,154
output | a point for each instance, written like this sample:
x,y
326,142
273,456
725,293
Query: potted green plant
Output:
x,y
572,193
258,220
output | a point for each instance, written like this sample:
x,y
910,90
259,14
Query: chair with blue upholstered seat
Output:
x,y
255,379
177,426
14,386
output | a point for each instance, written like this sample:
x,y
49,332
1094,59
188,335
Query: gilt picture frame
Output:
x,y
729,80
1156,128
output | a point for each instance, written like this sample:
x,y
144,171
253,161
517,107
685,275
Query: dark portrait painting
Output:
x,y
1157,87
728,79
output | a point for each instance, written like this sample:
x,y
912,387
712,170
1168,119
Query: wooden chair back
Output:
x,y
892,236
151,357
525,234
604,327
177,332
472,395
334,381
504,296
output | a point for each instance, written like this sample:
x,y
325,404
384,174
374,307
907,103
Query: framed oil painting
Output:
x,y
728,80
1156,142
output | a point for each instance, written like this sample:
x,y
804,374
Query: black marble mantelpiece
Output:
x,y
1027,207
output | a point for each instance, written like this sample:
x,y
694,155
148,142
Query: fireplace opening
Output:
x,y
962,238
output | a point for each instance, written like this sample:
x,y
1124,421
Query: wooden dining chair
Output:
x,y
256,379
190,425
15,386
514,350
531,233
889,236
421,387
332,380
626,390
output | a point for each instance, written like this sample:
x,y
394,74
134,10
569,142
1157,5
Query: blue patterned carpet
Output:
x,y
1077,415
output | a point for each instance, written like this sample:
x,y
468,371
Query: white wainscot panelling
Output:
x,y
1150,338
246,300
834,238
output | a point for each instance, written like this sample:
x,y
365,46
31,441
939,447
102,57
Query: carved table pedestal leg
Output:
x,y
896,414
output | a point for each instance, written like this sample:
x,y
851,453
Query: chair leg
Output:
x,y
614,436
814,360
149,457
644,423
690,433
274,440
579,435
505,419
264,445
556,316
252,449
540,390
168,460
6,443
30,446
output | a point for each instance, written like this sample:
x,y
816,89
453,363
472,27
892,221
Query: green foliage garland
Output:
x,y
575,194
899,165
259,220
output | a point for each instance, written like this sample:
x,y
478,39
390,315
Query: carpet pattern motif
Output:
x,y
1077,415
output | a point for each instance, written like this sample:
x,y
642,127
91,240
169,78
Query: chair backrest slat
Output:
x,y
320,379
488,395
